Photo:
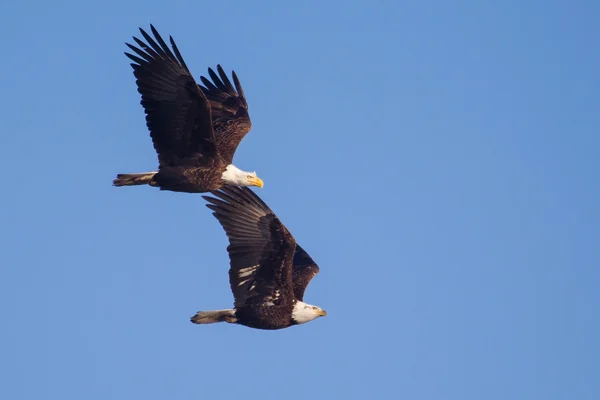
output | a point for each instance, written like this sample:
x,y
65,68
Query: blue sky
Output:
x,y
438,160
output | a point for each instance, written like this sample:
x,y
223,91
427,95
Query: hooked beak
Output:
x,y
321,313
256,181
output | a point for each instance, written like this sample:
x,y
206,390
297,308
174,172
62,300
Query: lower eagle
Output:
x,y
268,271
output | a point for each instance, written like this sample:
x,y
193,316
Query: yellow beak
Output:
x,y
322,313
256,181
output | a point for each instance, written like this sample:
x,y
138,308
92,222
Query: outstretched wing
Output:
x,y
177,111
303,270
229,108
260,248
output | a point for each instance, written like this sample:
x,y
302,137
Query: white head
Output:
x,y
303,312
235,176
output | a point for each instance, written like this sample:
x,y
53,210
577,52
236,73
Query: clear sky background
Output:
x,y
439,160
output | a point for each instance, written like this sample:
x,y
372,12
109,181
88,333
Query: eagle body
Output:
x,y
268,272
190,179
265,317
195,129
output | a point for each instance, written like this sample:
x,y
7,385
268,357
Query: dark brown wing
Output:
x,y
260,248
177,111
303,270
231,121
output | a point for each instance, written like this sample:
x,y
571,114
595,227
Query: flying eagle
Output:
x,y
195,129
268,271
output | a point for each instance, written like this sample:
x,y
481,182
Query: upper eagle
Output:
x,y
195,129
268,271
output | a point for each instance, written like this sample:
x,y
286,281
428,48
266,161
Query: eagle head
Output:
x,y
303,312
235,176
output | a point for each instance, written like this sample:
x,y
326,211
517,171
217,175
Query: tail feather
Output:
x,y
144,178
211,317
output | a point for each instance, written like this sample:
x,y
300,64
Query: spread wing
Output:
x,y
177,111
303,270
260,248
231,121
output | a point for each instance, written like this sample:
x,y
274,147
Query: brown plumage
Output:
x,y
304,269
229,111
195,130
268,272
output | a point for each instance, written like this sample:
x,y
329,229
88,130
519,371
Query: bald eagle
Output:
x,y
195,129
268,272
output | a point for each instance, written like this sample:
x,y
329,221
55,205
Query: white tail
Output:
x,y
134,179
211,317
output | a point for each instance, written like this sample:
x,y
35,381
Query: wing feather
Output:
x,y
303,271
177,111
229,108
261,249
